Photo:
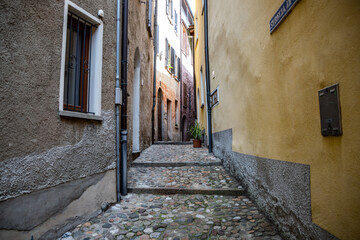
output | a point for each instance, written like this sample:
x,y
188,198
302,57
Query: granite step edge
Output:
x,y
172,143
159,190
175,164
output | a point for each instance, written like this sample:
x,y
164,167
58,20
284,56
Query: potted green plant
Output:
x,y
195,132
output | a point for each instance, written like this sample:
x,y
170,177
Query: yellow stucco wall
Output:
x,y
268,88
200,63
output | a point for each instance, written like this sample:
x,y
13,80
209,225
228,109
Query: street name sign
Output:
x,y
281,13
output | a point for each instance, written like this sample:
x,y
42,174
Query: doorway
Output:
x,y
160,115
136,102
169,117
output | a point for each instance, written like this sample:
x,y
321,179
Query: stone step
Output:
x,y
164,191
172,143
175,154
174,164
189,177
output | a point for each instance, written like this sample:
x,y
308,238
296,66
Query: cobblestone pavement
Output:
x,y
198,177
178,216
175,154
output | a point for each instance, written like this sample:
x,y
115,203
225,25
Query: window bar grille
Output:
x,y
83,61
69,63
77,61
89,65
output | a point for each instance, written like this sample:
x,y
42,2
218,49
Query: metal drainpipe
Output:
x,y
207,74
117,102
124,70
154,77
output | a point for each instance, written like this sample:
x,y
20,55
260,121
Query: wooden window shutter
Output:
x,y
166,52
172,59
179,68
175,21
167,7
149,20
172,9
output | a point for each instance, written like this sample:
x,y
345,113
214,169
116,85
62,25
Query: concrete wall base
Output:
x,y
281,189
48,213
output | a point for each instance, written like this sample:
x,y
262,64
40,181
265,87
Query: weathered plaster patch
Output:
x,y
29,210
78,211
94,153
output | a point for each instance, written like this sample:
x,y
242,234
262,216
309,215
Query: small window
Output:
x,y
176,67
202,87
175,25
169,8
176,114
172,62
81,64
196,29
149,19
179,68
77,64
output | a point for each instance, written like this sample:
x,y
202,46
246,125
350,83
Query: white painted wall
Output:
x,y
166,30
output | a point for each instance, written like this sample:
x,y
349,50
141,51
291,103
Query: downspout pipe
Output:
x,y
207,66
154,76
124,70
117,102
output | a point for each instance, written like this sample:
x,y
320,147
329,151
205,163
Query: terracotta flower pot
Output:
x,y
197,143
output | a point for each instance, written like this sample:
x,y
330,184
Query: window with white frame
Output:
x,y
196,29
81,64
175,25
169,8
172,61
202,87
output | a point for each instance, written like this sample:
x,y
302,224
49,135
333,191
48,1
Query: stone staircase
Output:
x,y
190,171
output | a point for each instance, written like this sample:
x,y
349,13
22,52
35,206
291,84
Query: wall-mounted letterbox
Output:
x,y
330,117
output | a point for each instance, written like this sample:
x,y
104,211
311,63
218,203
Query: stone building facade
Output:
x,y
58,62
167,113
188,113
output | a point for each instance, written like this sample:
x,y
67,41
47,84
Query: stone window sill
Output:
x,y
80,115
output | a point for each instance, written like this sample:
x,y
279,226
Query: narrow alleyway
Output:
x,y
178,192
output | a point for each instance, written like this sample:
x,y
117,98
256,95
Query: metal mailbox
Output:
x,y
330,115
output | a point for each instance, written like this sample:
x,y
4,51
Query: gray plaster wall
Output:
x,y
49,213
35,208
92,154
281,189
30,46
38,148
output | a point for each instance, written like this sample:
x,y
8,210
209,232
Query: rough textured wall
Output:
x,y
188,110
44,156
268,85
49,216
38,147
281,189
140,38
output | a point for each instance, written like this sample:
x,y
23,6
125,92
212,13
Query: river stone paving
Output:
x,y
148,216
198,177
179,216
176,154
